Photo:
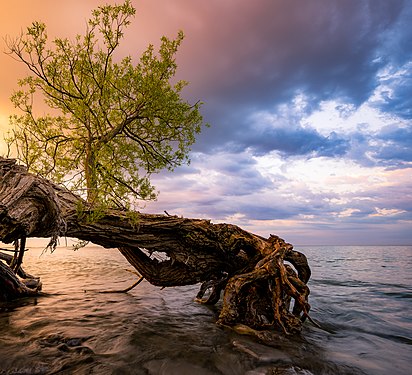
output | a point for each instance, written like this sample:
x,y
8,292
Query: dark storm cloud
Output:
x,y
395,47
290,141
266,52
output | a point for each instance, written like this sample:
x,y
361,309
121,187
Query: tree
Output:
x,y
113,123
118,123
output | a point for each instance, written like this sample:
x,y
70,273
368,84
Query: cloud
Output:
x,y
328,195
267,132
327,49
396,146
395,92
332,52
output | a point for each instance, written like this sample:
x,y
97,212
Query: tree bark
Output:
x,y
258,276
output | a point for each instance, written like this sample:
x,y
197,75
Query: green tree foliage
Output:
x,y
113,122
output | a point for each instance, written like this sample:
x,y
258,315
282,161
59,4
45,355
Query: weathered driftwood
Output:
x,y
255,273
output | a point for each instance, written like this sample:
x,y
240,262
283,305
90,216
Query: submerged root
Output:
x,y
124,290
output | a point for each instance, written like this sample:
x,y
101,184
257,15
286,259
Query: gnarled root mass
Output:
x,y
263,280
261,298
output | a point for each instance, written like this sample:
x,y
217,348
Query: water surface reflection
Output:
x,y
75,329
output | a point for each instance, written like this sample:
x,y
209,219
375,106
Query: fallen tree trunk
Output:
x,y
259,276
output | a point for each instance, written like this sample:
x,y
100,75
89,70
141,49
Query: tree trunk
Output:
x,y
90,171
258,276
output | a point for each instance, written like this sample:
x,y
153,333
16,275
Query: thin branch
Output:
x,y
124,290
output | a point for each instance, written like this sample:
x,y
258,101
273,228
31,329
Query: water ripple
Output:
x,y
361,297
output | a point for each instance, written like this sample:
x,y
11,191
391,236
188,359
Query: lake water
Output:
x,y
360,296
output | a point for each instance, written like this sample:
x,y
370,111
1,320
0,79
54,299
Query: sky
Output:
x,y
309,105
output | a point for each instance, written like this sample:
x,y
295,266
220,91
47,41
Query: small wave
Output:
x,y
402,295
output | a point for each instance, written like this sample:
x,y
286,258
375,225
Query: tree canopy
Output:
x,y
112,122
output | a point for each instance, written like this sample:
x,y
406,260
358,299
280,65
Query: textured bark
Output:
x,y
258,285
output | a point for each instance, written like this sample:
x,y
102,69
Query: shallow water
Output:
x,y
361,297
